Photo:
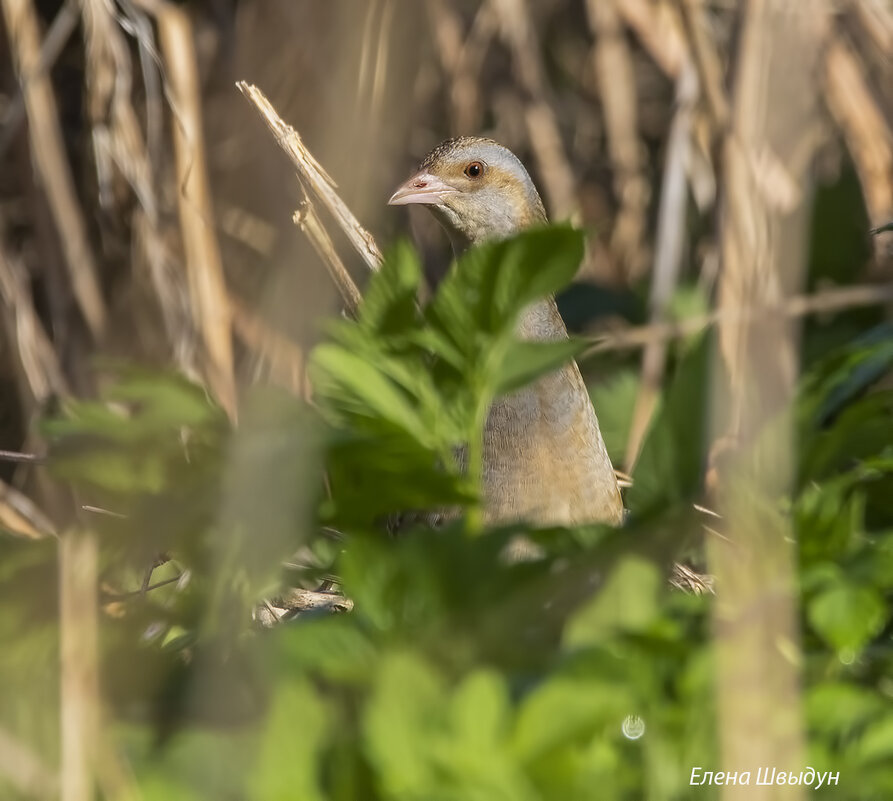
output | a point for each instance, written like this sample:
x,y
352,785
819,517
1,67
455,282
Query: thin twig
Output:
x,y
122,596
18,456
314,176
828,301
98,510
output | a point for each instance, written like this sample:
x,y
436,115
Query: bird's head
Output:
x,y
477,189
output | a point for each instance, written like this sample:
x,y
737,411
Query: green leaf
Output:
x,y
525,361
627,602
404,714
489,286
847,616
390,302
480,711
367,384
565,712
845,374
332,647
838,708
295,733
861,430
876,744
158,787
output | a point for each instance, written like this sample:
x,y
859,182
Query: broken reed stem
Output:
x,y
207,287
829,301
48,151
308,221
312,175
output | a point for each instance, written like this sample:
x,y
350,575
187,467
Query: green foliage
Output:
x,y
457,675
394,405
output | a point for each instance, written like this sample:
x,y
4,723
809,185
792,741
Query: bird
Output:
x,y
544,459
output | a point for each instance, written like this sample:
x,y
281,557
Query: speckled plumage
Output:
x,y
544,457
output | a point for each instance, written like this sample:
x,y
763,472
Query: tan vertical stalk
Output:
x,y
207,288
765,207
78,603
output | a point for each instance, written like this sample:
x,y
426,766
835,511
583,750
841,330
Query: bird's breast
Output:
x,y
544,457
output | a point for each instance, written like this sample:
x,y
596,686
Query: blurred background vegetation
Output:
x,y
199,597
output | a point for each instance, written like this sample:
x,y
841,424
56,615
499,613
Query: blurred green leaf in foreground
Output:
x,y
458,675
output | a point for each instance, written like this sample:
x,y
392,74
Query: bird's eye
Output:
x,y
474,170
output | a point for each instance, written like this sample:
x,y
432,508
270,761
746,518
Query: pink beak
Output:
x,y
424,188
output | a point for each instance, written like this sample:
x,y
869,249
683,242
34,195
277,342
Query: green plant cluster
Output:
x,y
458,675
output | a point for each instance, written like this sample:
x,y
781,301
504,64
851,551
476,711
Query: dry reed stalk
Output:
x,y
79,668
373,70
658,32
119,144
869,137
615,74
829,301
461,60
21,516
48,149
553,164
668,249
768,152
705,55
312,175
40,374
308,221
207,287
56,38
873,21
